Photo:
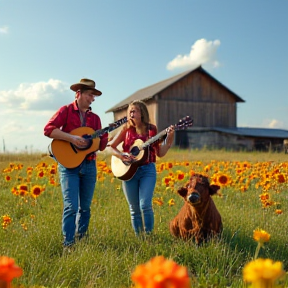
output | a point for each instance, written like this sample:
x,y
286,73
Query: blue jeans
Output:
x,y
139,193
78,185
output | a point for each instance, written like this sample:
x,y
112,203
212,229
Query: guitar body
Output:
x,y
70,156
126,171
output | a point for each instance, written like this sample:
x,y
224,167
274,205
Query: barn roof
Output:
x,y
254,132
152,90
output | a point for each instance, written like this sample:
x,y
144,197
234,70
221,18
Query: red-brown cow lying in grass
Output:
x,y
199,217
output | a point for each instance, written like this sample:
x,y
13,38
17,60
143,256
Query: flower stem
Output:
x,y
257,250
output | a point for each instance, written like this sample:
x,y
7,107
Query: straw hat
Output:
x,y
86,83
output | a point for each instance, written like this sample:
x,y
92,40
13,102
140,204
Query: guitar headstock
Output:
x,y
184,123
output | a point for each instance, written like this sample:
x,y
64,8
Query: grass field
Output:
x,y
253,197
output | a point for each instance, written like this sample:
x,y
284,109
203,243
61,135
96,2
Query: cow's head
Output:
x,y
198,190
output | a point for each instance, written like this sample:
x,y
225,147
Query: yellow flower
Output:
x,y
159,272
171,202
263,273
24,226
261,236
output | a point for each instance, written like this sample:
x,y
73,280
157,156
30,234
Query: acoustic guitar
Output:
x,y
70,155
139,149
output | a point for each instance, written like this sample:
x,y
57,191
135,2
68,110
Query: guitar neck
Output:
x,y
153,139
180,125
100,132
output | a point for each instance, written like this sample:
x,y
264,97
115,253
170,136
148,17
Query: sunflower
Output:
x,y
36,191
7,178
23,187
40,174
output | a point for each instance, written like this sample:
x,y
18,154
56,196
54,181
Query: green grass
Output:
x,y
110,254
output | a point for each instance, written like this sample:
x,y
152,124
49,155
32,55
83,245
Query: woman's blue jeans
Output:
x,y
139,193
78,185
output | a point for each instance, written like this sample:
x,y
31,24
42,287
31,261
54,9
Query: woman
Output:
x,y
140,188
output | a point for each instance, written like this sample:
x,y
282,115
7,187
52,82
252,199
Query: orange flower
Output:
x,y
158,201
161,273
278,211
14,191
7,178
8,269
6,220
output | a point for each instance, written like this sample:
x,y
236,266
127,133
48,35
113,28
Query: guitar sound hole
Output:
x,y
88,142
135,151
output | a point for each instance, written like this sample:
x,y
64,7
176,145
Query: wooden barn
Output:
x,y
211,105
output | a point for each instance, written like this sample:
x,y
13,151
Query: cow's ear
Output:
x,y
182,191
213,189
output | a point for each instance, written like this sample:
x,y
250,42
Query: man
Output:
x,y
77,183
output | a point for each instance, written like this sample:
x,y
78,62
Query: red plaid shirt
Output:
x,y
67,118
131,136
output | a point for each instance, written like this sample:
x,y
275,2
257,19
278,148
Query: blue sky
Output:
x,y
45,46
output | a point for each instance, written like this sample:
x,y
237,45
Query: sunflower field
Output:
x,y
251,252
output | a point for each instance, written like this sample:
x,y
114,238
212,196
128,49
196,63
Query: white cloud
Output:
x,y
202,52
274,123
25,110
36,96
4,30
23,129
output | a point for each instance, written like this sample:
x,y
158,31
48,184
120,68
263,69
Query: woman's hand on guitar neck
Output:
x,y
170,135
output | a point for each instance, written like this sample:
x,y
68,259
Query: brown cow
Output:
x,y
198,218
